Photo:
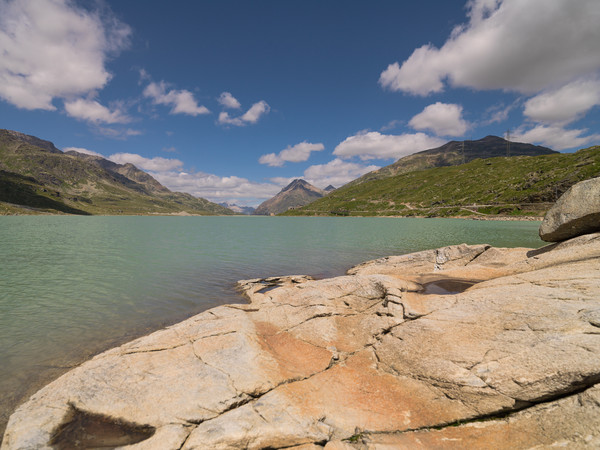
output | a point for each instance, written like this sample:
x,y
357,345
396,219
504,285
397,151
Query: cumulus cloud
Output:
x,y
336,173
156,164
92,111
391,125
117,133
293,153
374,145
54,49
256,111
517,45
226,119
181,101
85,151
251,116
171,173
497,113
216,188
556,137
444,119
229,101
565,104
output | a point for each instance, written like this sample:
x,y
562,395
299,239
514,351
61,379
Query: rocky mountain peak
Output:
x,y
296,194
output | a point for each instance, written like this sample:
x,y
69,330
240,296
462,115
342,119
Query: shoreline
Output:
x,y
186,214
222,330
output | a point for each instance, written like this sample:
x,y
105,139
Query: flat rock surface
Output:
x,y
459,347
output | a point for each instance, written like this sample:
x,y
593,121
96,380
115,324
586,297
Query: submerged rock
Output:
x,y
507,346
576,212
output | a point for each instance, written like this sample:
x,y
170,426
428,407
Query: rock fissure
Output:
x,y
500,415
153,350
316,316
198,339
185,440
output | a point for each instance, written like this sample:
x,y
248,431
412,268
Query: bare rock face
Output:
x,y
504,343
576,212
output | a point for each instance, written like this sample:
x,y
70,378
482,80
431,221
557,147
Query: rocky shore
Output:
x,y
465,346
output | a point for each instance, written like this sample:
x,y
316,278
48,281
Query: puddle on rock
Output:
x,y
449,286
94,431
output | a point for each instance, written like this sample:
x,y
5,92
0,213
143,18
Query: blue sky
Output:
x,y
231,100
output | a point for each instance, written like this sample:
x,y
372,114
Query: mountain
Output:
x,y
454,153
297,193
35,176
248,210
330,188
505,186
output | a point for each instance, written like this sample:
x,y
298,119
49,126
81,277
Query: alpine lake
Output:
x,y
71,287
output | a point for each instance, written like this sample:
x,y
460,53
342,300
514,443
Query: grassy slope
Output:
x,y
454,153
34,180
521,185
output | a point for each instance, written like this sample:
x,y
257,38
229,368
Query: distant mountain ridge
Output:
x,y
502,186
296,194
454,153
248,210
35,176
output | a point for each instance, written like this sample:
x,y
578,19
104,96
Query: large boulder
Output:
x,y
504,343
576,212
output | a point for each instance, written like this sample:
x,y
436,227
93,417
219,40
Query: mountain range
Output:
x,y
485,176
454,153
36,177
499,186
247,210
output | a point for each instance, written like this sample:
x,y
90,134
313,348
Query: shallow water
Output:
x,y
73,286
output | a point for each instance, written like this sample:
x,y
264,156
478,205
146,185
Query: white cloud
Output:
x,y
226,119
444,119
391,125
374,145
85,151
117,133
54,49
92,111
296,153
565,104
497,113
216,188
181,101
335,173
517,45
256,111
170,173
252,116
229,101
556,137
156,164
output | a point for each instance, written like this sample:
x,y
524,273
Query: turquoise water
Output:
x,y
73,286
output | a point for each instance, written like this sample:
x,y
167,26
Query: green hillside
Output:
x,y
506,186
454,153
36,177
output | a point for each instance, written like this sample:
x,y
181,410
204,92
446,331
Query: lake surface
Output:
x,y
71,287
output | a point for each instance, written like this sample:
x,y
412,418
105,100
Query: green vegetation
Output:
x,y
502,186
454,153
35,178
